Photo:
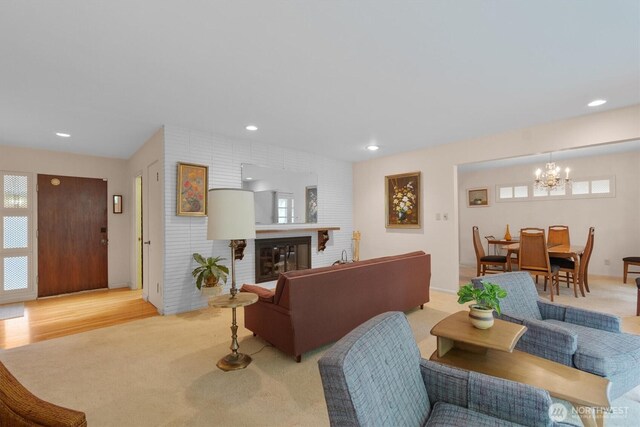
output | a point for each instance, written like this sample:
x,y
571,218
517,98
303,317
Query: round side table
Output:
x,y
234,360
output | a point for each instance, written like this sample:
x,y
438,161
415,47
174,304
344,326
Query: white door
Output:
x,y
153,237
16,231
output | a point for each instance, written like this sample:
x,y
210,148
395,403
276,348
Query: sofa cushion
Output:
x,y
446,414
494,258
264,294
567,263
601,352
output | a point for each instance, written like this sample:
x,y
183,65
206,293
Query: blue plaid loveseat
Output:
x,y
587,340
374,376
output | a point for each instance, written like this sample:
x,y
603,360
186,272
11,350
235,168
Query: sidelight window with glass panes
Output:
x,y
15,234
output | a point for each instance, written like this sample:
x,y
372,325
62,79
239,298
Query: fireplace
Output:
x,y
275,256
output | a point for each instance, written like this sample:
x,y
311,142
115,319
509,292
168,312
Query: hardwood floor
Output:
x,y
70,314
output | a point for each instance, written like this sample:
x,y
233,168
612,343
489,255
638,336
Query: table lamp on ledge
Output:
x,y
231,216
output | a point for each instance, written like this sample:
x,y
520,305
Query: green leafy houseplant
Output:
x,y
209,271
487,297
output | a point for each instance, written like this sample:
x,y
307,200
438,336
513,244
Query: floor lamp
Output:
x,y
232,217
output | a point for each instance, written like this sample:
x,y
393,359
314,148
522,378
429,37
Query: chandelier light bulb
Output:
x,y
550,178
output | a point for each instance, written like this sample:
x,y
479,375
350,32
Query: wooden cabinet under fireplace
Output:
x,y
275,256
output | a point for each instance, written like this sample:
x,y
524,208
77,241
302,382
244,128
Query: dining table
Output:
x,y
559,251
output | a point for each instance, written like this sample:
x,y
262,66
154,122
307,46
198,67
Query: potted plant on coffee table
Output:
x,y
209,273
487,298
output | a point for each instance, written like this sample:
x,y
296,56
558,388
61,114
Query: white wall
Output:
x,y
113,170
440,187
186,235
615,219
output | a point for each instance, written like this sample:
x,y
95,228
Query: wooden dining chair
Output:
x,y
558,235
628,262
569,266
534,258
485,262
586,256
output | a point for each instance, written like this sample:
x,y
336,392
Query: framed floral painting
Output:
x,y
192,189
403,200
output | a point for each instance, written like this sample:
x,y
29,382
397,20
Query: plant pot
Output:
x,y
211,281
480,317
211,291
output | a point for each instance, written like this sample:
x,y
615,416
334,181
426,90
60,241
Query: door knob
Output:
x,y
105,242
148,242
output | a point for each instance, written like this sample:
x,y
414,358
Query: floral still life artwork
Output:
x,y
192,189
403,200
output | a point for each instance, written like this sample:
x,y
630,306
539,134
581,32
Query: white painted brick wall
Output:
x,y
186,235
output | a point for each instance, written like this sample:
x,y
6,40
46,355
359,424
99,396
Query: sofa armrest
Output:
x,y
593,319
548,336
507,400
579,316
543,335
510,318
552,311
264,294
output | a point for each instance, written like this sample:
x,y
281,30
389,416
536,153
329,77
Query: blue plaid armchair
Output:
x,y
587,340
374,376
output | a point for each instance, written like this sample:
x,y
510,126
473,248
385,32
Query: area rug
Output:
x,y
11,310
161,371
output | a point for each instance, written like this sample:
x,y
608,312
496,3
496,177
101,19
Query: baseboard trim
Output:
x,y
447,291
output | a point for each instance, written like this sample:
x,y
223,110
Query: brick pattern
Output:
x,y
186,235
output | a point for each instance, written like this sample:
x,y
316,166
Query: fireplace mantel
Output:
x,y
290,229
323,232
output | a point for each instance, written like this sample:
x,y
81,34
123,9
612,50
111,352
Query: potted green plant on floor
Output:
x,y
487,298
209,274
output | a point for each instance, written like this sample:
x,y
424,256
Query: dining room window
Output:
x,y
594,187
600,186
581,188
512,192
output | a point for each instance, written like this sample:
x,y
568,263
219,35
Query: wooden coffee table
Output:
x,y
491,352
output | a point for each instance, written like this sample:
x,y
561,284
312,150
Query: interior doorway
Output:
x,y
153,246
72,234
138,219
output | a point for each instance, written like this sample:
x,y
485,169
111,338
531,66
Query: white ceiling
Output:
x,y
322,76
556,156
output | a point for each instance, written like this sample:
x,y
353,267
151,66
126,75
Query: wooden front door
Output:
x,y
72,234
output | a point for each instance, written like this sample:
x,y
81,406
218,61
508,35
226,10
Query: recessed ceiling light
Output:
x,y
597,102
372,147
248,178
63,135
251,127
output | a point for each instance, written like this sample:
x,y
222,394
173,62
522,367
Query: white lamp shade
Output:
x,y
231,214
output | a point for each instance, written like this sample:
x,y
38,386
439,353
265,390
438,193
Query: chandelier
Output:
x,y
550,178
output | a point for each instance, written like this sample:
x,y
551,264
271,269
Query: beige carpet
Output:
x,y
161,371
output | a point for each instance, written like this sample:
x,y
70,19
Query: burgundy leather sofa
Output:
x,y
311,308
